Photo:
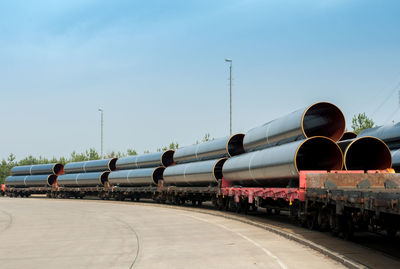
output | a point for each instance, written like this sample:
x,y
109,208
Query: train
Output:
x,y
303,163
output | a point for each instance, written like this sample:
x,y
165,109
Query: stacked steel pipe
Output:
x,y
141,170
390,134
87,173
279,149
201,164
40,175
270,155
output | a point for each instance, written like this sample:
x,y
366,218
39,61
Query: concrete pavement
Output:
x,y
44,233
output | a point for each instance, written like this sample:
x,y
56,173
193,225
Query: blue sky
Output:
x,y
157,68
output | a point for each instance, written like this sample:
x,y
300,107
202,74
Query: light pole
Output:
x,y
101,113
230,93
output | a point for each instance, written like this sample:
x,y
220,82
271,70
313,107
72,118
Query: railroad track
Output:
x,y
367,250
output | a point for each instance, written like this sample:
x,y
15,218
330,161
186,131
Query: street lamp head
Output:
x,y
100,109
228,60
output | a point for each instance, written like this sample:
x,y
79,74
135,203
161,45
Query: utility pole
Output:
x,y
101,115
230,94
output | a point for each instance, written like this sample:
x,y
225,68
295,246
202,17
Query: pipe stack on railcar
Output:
x,y
141,170
87,173
390,134
40,175
278,150
201,164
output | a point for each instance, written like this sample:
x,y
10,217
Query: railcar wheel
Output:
x,y
323,220
253,208
333,220
312,223
348,229
269,211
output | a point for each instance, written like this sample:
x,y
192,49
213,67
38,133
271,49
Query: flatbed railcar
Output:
x,y
340,201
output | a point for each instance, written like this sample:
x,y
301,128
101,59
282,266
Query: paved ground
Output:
x,y
42,233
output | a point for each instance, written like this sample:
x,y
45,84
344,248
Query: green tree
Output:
x,y
173,145
206,137
130,152
361,122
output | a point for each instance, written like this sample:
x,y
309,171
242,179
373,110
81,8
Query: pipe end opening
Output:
x,y
324,119
368,153
319,153
112,164
348,135
158,174
167,157
58,169
104,177
51,180
235,145
218,168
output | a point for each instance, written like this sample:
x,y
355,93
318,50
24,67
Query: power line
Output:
x,y
388,97
391,115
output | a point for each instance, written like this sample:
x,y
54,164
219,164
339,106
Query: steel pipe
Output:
x,y
146,160
37,169
396,160
90,166
278,166
348,135
31,181
136,177
214,149
390,134
365,153
320,119
203,173
92,179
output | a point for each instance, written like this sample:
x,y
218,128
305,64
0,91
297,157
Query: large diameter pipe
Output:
x,y
278,166
90,166
396,160
203,173
348,135
365,153
37,169
31,181
390,134
214,149
136,177
320,119
146,160
91,179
